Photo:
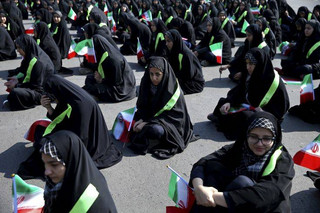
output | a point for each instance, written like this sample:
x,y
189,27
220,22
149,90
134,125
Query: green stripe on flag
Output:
x,y
173,192
23,187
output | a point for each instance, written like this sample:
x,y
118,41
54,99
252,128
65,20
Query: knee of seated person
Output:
x,y
155,131
240,182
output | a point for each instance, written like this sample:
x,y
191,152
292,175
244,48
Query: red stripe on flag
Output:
x,y
32,129
72,55
90,58
139,54
219,59
29,31
173,209
26,210
306,97
307,160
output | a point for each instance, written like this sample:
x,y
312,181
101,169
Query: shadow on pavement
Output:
x,y
305,201
207,130
294,124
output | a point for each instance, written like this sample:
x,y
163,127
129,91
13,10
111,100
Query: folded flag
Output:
x,y
26,197
242,107
147,16
72,53
309,156
122,125
255,10
306,90
29,135
180,193
72,15
216,49
139,50
105,9
30,30
244,26
86,49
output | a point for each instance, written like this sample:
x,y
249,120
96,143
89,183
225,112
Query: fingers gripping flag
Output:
x,y
26,197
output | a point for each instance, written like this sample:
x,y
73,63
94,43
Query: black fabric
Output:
x,y
62,37
23,9
119,83
178,130
162,49
219,36
7,48
190,75
274,25
200,25
252,92
44,15
86,120
185,29
47,44
27,95
14,13
249,17
270,193
12,27
80,172
269,37
93,28
229,29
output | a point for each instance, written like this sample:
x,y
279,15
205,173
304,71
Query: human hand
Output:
x,y
45,101
237,76
98,77
11,83
204,195
140,126
224,109
223,68
143,59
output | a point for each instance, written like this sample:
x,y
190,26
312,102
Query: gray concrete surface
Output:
x,y
140,183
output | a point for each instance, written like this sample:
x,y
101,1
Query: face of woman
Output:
x,y
249,36
308,30
250,67
3,19
242,6
56,19
222,17
169,43
20,51
155,76
153,27
209,27
260,24
200,10
260,140
54,169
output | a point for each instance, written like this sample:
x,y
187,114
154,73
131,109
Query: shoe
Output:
x,y
204,63
84,71
6,105
212,118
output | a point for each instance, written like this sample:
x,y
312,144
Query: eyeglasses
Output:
x,y
254,139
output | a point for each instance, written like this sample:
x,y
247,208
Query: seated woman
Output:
x,y
253,90
163,125
242,14
44,39
158,43
185,29
254,39
184,63
7,48
305,58
268,35
10,26
214,35
71,174
254,174
113,79
227,26
274,25
201,22
26,84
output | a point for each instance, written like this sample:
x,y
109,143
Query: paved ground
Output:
x,y
140,183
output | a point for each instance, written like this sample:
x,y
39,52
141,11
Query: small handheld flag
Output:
x,y
29,135
123,124
216,49
245,25
72,15
306,90
147,17
242,107
30,30
86,49
72,53
309,156
139,50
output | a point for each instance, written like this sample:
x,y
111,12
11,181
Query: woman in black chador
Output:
x,y
70,173
162,123
44,39
26,83
184,63
113,80
7,48
201,22
253,90
254,174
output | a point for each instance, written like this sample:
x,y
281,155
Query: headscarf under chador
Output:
x,y
81,173
176,121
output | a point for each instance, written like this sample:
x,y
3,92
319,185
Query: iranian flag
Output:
x,y
30,30
72,53
112,22
245,25
72,15
86,49
242,107
139,50
122,125
216,49
26,197
255,10
309,156
105,9
306,90
291,81
147,16
29,135
180,193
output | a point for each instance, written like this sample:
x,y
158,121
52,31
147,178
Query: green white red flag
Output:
x,y
105,9
112,22
26,198
216,49
309,156
180,193
29,135
86,49
72,53
306,90
139,50
242,107
72,15
245,25
122,125
147,16
255,10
